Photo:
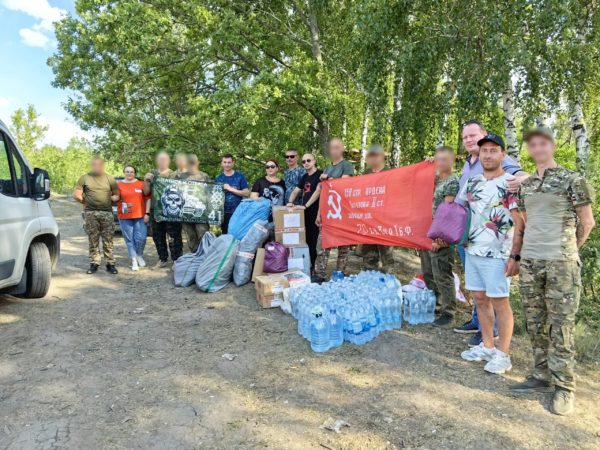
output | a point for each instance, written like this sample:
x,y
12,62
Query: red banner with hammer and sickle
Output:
x,y
392,207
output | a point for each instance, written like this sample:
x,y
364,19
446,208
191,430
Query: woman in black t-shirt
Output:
x,y
270,186
306,188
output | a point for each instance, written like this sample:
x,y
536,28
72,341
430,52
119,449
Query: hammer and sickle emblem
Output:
x,y
334,201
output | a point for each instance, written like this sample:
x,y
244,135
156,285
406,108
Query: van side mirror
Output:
x,y
41,185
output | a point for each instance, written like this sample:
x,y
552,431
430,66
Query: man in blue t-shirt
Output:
x,y
235,186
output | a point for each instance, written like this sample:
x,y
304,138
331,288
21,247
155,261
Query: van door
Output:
x,y
18,212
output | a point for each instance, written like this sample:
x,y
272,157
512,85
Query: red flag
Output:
x,y
392,207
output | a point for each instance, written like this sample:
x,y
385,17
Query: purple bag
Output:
x,y
276,258
451,223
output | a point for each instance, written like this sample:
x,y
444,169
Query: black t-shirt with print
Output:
x,y
274,192
308,185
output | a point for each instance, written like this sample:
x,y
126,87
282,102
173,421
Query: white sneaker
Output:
x,y
499,364
478,353
141,261
134,265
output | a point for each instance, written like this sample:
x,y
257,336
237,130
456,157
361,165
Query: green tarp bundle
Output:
x,y
187,201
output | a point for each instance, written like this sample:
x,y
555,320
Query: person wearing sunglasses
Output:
x,y
292,174
302,194
270,186
131,211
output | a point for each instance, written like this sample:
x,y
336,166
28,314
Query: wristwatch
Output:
x,y
517,257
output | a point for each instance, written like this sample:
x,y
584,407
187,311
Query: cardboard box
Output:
x,y
259,264
269,288
299,259
289,226
269,301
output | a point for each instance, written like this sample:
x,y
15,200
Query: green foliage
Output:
x,y
26,129
64,166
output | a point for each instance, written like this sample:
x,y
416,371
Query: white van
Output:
x,y
29,236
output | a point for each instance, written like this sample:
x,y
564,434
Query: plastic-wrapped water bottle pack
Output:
x,y
353,309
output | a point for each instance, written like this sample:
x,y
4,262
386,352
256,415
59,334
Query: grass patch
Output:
x,y
587,342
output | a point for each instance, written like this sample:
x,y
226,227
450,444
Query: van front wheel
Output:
x,y
39,270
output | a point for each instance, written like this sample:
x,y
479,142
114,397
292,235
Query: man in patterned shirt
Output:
x,y
488,266
557,205
292,174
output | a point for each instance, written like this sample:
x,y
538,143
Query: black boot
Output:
x,y
443,320
111,269
532,384
93,268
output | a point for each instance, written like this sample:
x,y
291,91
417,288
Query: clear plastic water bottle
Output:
x,y
431,300
356,326
319,332
408,302
396,312
336,330
415,308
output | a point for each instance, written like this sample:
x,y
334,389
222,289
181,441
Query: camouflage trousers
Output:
x,y
550,293
323,258
100,224
194,233
437,271
372,254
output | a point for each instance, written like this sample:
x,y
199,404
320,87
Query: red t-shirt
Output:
x,y
133,201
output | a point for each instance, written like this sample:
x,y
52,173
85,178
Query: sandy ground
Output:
x,y
129,361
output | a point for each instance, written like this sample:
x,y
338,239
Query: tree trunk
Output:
x,y
322,123
441,129
345,113
396,113
314,32
582,143
363,139
323,128
510,129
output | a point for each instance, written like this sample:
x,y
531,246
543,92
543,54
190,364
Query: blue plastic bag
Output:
x,y
248,212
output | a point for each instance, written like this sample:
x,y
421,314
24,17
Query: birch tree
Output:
x,y
510,129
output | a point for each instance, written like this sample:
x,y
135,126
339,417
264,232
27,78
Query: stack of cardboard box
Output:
x,y
291,232
269,288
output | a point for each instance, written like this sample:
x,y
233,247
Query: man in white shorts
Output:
x,y
492,253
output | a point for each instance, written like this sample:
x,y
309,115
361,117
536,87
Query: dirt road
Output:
x,y
129,361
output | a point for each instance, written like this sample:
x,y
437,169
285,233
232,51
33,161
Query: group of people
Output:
x,y
520,223
527,224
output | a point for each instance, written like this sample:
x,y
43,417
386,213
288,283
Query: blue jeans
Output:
x,y
474,318
134,233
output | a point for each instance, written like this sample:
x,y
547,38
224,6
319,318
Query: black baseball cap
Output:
x,y
491,137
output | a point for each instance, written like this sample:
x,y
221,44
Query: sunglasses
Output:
x,y
290,156
270,166
304,161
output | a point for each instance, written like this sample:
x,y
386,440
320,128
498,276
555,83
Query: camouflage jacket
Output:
x,y
551,219
200,176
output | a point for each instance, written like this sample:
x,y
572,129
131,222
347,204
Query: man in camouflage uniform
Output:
x,y
437,263
160,230
194,231
556,203
339,168
372,253
97,191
